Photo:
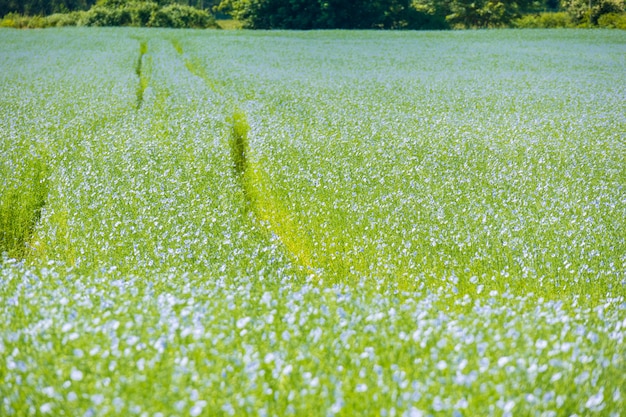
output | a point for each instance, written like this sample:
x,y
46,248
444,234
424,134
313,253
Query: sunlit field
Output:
x,y
228,223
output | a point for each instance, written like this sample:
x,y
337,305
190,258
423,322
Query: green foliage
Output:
x,y
65,19
126,3
545,21
41,7
141,12
138,13
179,16
612,21
23,194
385,14
229,24
106,16
16,21
48,7
238,142
583,15
147,13
319,14
486,13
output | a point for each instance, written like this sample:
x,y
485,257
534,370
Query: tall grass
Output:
x,y
238,142
22,197
141,72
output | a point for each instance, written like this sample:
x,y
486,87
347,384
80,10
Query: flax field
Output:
x,y
335,223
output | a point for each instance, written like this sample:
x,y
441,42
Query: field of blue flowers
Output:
x,y
207,223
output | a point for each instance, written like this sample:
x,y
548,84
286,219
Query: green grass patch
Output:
x,y
22,197
141,72
229,24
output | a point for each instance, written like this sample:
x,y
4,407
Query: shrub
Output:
x,y
141,12
64,19
120,13
105,16
579,9
37,22
613,21
179,16
17,21
545,20
14,20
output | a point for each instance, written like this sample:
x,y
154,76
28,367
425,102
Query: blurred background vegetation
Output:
x,y
316,14
423,14
140,13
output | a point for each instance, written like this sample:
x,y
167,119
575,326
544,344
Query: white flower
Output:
x,y
196,410
414,412
49,391
508,406
595,401
241,323
76,375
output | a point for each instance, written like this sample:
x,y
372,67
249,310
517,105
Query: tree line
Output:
x,y
416,14
48,7
43,7
138,13
351,14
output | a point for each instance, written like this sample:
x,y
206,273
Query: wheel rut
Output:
x,y
141,73
254,182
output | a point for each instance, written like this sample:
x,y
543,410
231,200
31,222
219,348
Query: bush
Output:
x,y
179,16
17,21
14,20
120,13
337,14
613,21
545,20
582,15
37,22
105,16
141,12
65,19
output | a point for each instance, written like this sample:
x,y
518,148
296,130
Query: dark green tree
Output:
x,y
487,13
43,7
48,7
329,14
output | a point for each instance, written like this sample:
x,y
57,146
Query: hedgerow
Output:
x,y
120,13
